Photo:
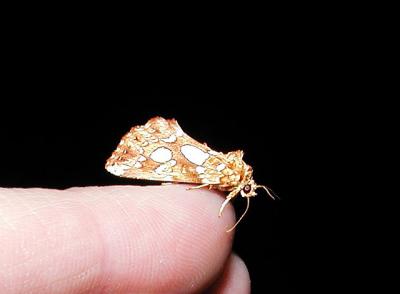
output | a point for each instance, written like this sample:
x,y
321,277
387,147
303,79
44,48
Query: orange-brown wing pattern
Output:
x,y
161,151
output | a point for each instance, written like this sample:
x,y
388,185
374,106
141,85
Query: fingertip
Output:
x,y
235,278
117,238
168,237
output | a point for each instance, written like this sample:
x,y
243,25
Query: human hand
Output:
x,y
117,239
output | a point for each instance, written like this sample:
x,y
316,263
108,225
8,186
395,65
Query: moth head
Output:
x,y
249,186
249,189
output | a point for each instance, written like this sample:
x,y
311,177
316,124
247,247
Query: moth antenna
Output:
x,y
244,213
269,192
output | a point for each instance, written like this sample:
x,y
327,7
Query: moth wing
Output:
x,y
154,152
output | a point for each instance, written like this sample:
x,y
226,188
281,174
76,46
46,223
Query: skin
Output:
x,y
117,239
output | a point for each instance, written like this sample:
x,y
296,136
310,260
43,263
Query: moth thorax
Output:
x,y
248,175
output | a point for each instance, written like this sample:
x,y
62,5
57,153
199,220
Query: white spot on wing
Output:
x,y
161,154
200,170
160,169
116,170
220,167
138,165
212,152
141,158
194,154
179,132
207,181
170,139
165,168
153,140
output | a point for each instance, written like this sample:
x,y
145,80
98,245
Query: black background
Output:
x,y
294,87
63,115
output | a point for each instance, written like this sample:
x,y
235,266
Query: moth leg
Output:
x,y
198,187
241,217
228,198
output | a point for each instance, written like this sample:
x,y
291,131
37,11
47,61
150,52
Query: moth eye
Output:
x,y
247,189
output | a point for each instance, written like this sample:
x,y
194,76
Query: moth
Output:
x,y
161,151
